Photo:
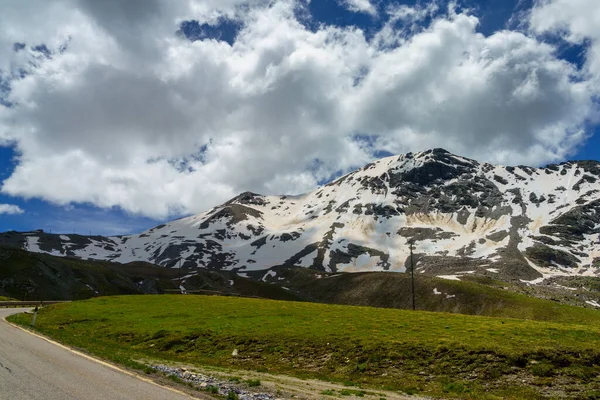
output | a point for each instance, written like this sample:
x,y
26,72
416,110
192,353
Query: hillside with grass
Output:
x,y
33,276
30,276
437,354
473,295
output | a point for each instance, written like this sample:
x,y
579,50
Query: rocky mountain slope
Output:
x,y
465,218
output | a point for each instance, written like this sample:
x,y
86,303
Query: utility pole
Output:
x,y
412,273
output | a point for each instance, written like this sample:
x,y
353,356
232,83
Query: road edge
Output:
x,y
99,361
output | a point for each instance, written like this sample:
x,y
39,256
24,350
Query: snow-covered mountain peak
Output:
x,y
525,223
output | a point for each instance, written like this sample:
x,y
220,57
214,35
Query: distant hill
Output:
x,y
33,276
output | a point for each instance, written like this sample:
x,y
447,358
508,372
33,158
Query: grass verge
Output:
x,y
438,354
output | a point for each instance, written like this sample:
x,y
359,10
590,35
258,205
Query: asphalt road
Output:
x,y
32,368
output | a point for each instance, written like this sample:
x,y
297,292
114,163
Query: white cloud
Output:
x,y
502,98
404,21
417,13
363,6
131,115
10,209
575,21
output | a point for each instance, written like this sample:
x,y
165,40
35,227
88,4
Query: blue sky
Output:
x,y
87,212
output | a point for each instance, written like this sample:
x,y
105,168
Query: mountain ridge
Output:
x,y
514,223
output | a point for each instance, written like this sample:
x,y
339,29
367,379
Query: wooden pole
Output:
x,y
412,275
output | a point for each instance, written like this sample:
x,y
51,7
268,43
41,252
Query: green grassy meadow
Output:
x,y
436,354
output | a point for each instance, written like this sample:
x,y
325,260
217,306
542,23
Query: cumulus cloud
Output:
x,y
363,6
121,110
10,209
575,21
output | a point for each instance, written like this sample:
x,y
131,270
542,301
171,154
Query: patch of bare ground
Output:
x,y
280,386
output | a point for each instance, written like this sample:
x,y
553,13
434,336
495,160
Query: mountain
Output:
x,y
466,218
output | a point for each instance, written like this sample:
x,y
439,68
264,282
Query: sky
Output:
x,y
117,115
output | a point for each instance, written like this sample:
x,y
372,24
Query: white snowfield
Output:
x,y
364,220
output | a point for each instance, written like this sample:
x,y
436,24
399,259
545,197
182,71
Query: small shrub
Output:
x,y
518,360
328,392
454,387
212,389
232,396
148,370
275,349
492,373
542,369
410,390
348,392
235,379
253,382
582,372
442,349
160,334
